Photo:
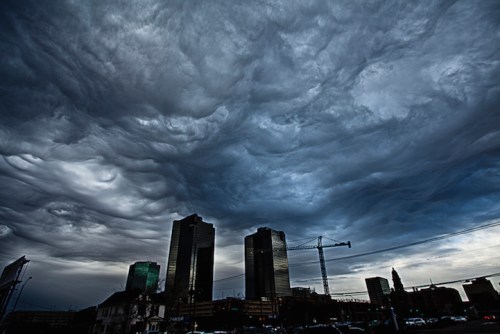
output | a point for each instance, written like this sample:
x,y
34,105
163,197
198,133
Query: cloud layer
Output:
x,y
358,121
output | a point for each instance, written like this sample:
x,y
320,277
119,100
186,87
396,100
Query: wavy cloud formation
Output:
x,y
357,121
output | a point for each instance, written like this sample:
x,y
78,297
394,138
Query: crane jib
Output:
x,y
322,264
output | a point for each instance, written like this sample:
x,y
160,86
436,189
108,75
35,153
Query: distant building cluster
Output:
x,y
433,301
186,303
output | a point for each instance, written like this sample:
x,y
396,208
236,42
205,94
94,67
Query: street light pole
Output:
x,y
15,304
19,295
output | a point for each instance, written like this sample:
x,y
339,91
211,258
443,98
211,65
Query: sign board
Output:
x,y
10,273
9,280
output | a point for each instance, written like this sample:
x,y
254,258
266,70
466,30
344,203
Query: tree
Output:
x,y
398,285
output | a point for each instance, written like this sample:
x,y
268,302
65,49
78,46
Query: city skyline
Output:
x,y
360,295
372,122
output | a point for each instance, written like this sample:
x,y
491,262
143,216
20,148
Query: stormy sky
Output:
x,y
365,121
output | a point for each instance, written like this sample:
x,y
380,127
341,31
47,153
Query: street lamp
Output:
x,y
19,295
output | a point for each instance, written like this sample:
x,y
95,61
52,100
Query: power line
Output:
x,y
440,256
421,261
411,287
52,308
229,278
445,236
421,286
407,245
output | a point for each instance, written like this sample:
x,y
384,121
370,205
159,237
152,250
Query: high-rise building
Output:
x,y
143,275
190,270
378,287
266,265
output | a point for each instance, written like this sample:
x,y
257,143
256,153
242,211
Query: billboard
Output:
x,y
9,280
11,272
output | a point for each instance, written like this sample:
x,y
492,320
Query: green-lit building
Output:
x,y
143,275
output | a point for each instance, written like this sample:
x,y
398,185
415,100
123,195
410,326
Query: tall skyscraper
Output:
x,y
378,287
266,268
191,260
143,275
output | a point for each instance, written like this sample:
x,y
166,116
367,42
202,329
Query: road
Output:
x,y
476,327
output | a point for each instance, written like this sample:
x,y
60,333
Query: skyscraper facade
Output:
x,y
266,265
190,267
143,275
378,287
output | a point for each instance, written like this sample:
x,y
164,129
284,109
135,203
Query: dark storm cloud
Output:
x,y
353,120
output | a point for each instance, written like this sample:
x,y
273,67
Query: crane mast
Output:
x,y
323,267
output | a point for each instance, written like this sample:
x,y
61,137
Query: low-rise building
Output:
x,y
131,311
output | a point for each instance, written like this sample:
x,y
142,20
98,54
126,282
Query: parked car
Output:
x,y
415,322
344,329
320,330
460,318
254,331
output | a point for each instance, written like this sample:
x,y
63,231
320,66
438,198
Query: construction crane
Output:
x,y
322,264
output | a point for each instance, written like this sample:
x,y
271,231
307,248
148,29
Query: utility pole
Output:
x,y
19,295
15,304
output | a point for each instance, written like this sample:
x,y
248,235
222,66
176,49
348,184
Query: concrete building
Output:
x,y
435,302
231,313
266,265
131,311
190,260
481,291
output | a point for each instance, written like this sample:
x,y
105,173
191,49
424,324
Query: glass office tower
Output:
x,y
266,265
143,275
191,260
